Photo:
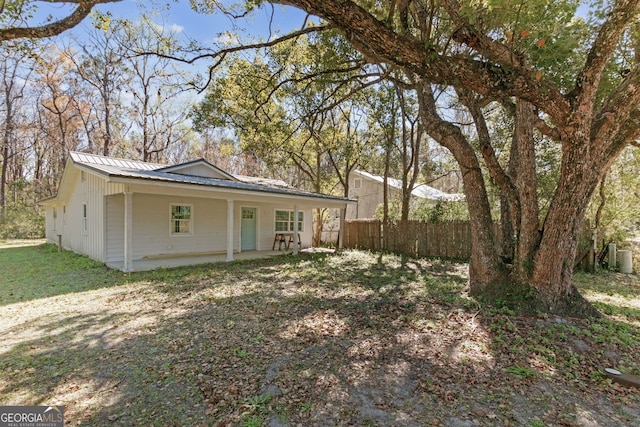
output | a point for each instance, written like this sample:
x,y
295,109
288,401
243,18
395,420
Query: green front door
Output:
x,y
248,229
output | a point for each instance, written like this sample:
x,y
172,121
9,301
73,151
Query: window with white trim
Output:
x,y
84,217
357,184
55,219
181,219
284,221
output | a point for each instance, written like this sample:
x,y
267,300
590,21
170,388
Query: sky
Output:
x,y
179,16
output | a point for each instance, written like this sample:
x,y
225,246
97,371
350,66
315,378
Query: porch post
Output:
x,y
341,231
128,232
296,231
230,230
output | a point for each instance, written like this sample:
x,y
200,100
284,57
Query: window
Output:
x,y
248,213
64,213
284,221
181,219
84,217
55,218
357,183
83,176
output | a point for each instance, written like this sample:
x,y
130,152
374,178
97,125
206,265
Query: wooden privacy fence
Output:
x,y
363,234
448,239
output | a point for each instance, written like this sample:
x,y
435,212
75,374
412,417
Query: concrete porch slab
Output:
x,y
181,261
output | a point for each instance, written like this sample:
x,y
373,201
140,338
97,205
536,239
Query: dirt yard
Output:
x,y
354,339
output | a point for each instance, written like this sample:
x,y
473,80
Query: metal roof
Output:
x,y
123,168
94,159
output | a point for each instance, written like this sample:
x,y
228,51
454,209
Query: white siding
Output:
x,y
52,228
152,229
113,188
152,233
114,228
201,170
91,192
370,195
70,224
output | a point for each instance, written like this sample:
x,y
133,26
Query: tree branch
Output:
x,y
497,172
57,27
623,101
468,35
588,82
309,77
544,128
538,123
221,54
380,44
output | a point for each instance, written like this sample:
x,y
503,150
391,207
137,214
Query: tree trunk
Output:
x,y
592,120
524,168
406,160
106,146
316,238
603,201
553,261
6,137
485,267
3,180
507,231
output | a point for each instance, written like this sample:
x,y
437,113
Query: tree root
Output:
x,y
526,300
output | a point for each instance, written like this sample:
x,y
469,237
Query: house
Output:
x,y
368,190
129,213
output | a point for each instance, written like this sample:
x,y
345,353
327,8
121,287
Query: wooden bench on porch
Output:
x,y
284,238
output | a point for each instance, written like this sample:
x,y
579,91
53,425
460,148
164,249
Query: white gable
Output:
x,y
200,168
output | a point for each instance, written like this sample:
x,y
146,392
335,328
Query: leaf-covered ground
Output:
x,y
316,340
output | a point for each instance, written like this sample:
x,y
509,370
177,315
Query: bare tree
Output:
x,y
58,115
156,86
14,78
101,68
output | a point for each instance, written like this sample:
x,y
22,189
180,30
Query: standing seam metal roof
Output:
x,y
124,168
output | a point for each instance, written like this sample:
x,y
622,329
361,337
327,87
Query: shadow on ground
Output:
x,y
351,339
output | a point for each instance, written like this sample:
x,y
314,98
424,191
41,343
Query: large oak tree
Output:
x,y
518,54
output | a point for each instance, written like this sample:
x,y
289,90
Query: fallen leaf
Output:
x,y
541,43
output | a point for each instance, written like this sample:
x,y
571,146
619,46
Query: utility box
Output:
x,y
612,256
626,261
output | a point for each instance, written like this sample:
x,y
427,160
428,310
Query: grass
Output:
x,y
27,268
351,339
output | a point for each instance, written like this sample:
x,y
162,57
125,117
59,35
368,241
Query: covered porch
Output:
x,y
217,227
154,263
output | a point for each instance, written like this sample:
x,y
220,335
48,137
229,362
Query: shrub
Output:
x,y
22,222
